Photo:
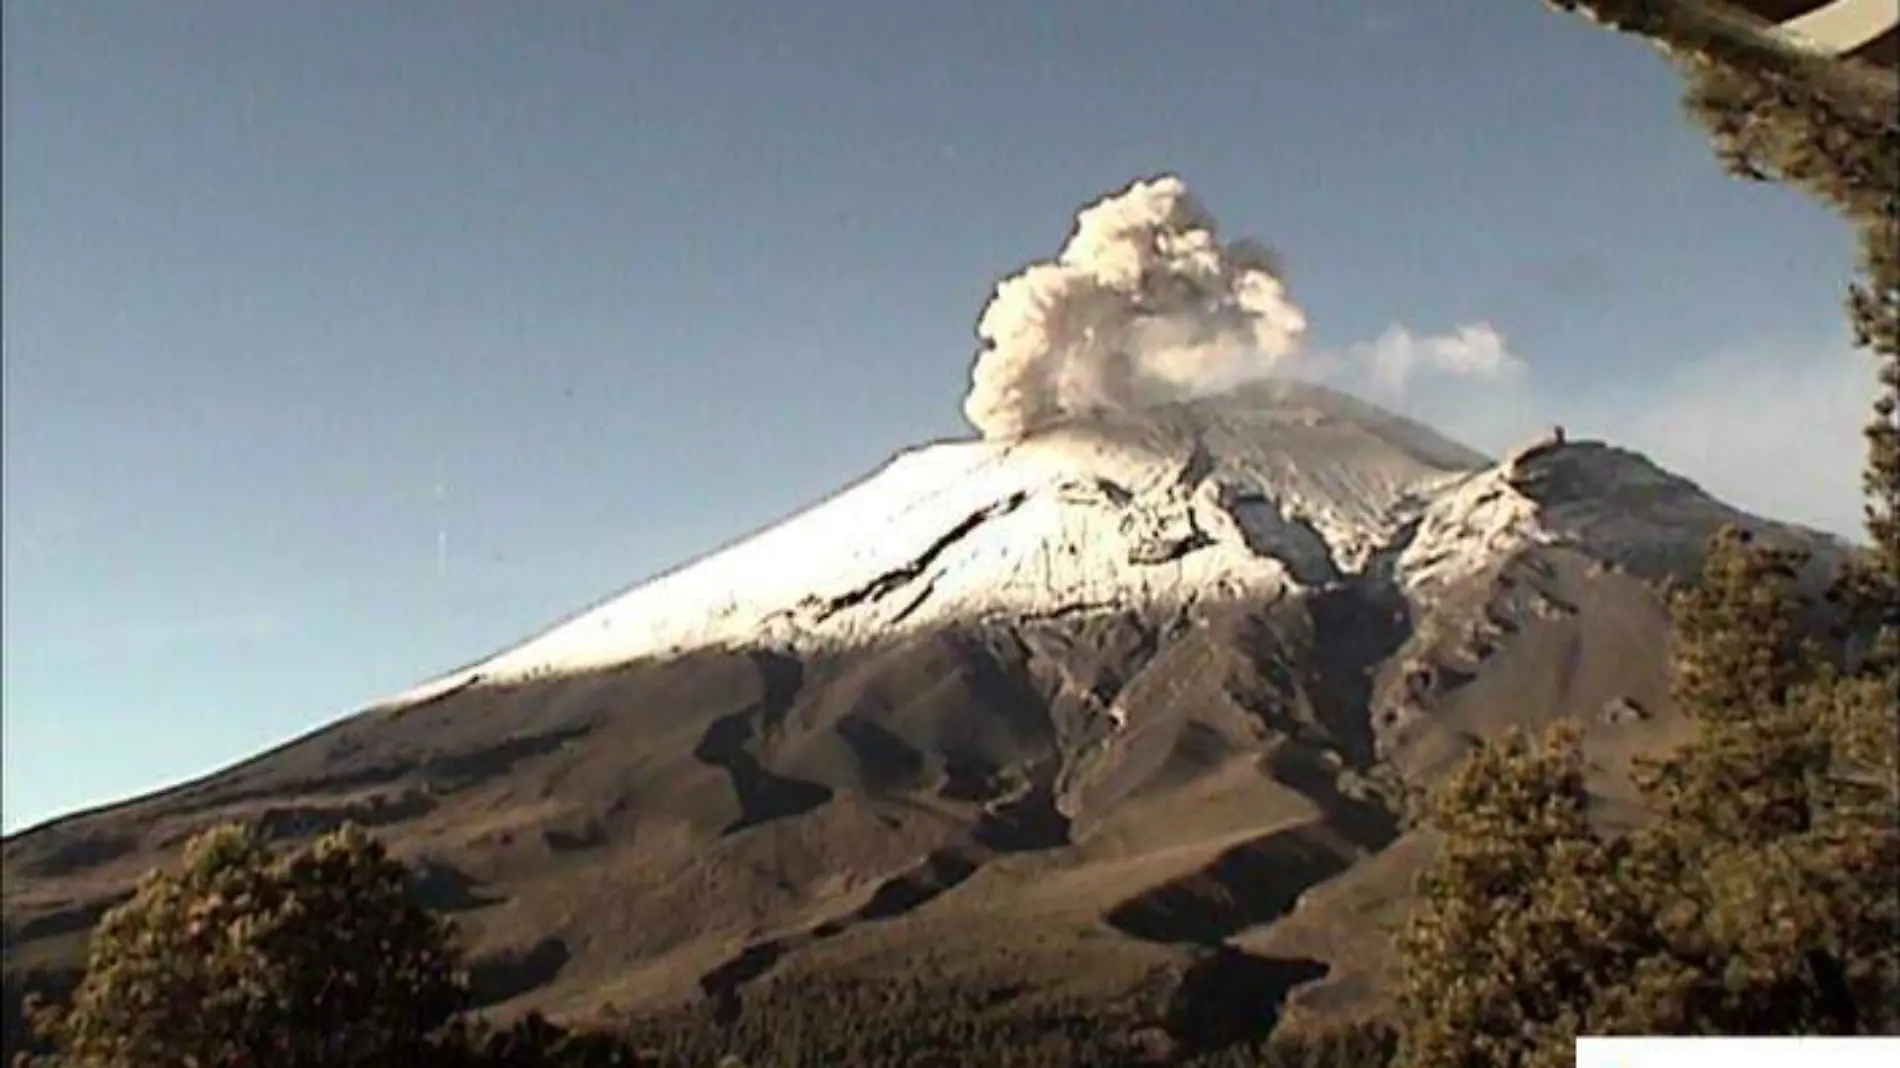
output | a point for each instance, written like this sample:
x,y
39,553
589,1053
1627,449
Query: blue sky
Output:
x,y
294,289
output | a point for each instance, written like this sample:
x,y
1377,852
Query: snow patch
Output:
x,y
1612,504
1252,495
1256,495
1466,528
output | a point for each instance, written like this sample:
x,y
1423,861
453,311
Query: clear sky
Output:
x,y
294,289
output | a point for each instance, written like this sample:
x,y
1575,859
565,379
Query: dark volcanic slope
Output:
x,y
1096,806
674,831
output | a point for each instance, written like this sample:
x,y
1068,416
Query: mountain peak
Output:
x,y
1252,493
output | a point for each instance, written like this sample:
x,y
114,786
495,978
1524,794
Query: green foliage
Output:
x,y
921,1020
1362,1044
242,958
1811,123
1752,904
1765,896
1769,124
915,1019
1758,760
245,958
1509,939
532,1042
1695,33
1762,899
1872,591
1774,125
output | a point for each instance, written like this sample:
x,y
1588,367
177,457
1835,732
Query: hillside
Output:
x,y
1094,717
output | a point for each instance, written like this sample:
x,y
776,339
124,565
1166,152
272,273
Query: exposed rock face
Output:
x,y
1134,694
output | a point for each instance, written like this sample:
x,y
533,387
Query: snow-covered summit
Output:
x,y
1254,494
1613,505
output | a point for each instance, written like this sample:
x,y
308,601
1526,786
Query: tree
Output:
x,y
1754,768
1499,953
1760,877
531,1042
1765,896
1759,899
1748,904
242,958
1772,124
1811,124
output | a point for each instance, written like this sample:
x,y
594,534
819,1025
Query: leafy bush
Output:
x,y
317,958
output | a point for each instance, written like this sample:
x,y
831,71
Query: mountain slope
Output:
x,y
1089,715
1279,482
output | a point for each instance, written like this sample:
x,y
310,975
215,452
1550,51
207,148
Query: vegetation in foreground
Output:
x,y
244,957
1764,897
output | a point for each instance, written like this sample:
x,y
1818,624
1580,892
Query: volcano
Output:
x,y
1083,716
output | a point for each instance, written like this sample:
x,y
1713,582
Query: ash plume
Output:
x,y
1143,305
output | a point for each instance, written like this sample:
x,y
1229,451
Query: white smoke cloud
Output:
x,y
1397,357
1771,426
1143,305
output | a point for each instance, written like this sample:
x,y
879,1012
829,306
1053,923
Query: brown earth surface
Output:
x,y
699,833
